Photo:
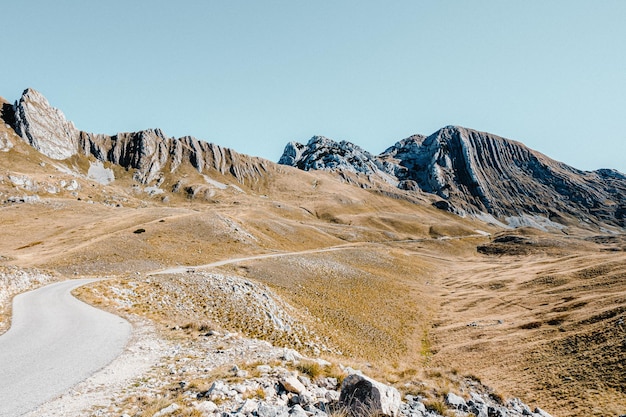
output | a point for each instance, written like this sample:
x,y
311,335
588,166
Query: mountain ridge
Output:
x,y
417,296
460,170
479,174
149,152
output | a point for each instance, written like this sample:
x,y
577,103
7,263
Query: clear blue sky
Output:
x,y
253,75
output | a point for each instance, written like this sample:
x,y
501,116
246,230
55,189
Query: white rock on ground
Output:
x,y
364,396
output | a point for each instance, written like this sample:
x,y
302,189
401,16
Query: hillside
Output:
x,y
350,261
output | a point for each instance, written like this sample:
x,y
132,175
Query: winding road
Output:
x,y
55,341
181,269
353,245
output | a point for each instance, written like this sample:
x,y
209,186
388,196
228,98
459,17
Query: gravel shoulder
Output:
x,y
142,353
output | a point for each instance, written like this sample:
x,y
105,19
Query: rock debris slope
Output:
x,y
479,174
150,153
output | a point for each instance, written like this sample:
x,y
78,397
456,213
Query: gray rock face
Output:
x,y
321,153
456,402
291,384
292,154
7,119
5,142
45,127
364,397
150,153
481,174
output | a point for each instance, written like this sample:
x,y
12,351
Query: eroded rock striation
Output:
x,y
149,152
467,172
326,154
44,126
480,174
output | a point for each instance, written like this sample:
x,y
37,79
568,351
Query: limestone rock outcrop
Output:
x,y
364,397
149,152
6,117
44,126
325,154
480,174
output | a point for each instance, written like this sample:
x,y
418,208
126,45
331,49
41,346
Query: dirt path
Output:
x,y
181,269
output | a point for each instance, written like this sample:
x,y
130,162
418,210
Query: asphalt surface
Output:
x,y
55,341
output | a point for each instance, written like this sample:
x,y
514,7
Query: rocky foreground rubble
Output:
x,y
206,370
278,392
298,387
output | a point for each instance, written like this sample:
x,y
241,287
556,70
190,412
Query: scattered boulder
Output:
x,y
298,411
541,412
266,410
167,410
363,396
264,369
291,355
208,407
248,407
456,402
292,384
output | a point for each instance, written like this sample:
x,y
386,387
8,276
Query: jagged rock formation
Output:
x,y
150,153
321,153
325,154
44,127
470,172
481,174
6,116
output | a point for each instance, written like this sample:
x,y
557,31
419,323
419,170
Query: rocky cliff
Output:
x,y
149,153
468,172
480,174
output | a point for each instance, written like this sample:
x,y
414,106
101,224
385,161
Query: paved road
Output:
x,y
55,341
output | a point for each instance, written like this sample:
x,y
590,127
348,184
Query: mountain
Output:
x,y
149,153
479,174
463,171
350,260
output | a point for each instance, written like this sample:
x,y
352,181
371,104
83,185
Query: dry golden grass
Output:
x,y
147,407
371,301
547,328
547,314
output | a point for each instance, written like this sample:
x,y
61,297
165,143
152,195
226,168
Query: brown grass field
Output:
x,y
410,293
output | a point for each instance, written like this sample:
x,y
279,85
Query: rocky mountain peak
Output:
x,y
44,126
483,175
322,153
150,153
292,153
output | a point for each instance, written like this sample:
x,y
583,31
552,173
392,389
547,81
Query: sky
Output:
x,y
254,75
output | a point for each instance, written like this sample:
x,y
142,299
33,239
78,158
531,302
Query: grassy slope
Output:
x,y
546,327
402,307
